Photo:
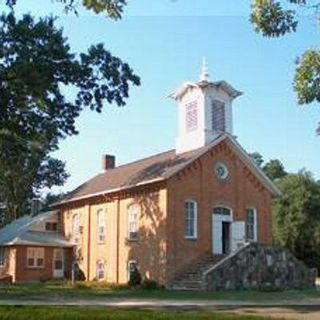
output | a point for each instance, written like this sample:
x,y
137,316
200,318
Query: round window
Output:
x,y
221,171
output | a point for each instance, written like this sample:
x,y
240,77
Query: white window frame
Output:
x,y
51,223
133,221
35,254
101,226
254,238
2,256
76,228
129,267
100,263
187,218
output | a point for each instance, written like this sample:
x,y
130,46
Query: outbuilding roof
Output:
x,y
18,233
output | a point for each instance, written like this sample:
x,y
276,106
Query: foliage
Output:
x,y
148,284
51,198
274,18
296,217
257,158
307,77
271,19
112,8
78,273
36,64
135,278
274,169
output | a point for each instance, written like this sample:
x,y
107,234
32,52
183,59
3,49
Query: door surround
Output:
x,y
216,231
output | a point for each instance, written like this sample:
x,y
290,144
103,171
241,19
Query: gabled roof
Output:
x,y
156,168
17,232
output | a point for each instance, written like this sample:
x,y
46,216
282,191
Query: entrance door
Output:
x,y
221,230
225,237
58,263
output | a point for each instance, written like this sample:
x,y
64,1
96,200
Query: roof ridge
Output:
x,y
139,160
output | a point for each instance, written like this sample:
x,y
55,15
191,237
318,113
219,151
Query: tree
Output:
x,y
51,198
36,63
113,8
257,158
296,217
274,169
274,18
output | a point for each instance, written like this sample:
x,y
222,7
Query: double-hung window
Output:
x,y
76,228
251,225
101,221
100,272
191,220
2,256
132,268
51,226
35,257
133,216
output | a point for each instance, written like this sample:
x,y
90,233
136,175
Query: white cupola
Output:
x,y
205,111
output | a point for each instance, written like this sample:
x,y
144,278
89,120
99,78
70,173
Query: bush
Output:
x,y
78,273
149,284
135,278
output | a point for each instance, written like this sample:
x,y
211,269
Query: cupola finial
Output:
x,y
204,76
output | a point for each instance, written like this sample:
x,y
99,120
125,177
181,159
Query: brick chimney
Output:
x,y
108,162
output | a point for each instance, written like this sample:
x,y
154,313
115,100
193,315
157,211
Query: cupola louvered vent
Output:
x,y
218,114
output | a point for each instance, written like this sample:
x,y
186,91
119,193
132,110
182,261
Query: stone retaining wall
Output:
x,y
260,267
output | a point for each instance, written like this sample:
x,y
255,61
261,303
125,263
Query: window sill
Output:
x,y
101,242
132,239
191,238
35,268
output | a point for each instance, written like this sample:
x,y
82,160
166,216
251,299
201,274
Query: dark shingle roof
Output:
x,y
155,168
147,170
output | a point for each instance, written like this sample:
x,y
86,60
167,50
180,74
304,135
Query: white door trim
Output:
x,y
58,273
217,220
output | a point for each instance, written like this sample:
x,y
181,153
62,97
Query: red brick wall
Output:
x,y
26,274
199,183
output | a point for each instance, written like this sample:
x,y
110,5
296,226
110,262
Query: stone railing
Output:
x,y
259,267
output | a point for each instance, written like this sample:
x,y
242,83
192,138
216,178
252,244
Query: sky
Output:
x,y
164,41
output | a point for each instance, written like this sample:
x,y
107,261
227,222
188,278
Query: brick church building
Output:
x,y
206,198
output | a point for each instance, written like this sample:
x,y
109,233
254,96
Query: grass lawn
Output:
x,y
102,290
69,313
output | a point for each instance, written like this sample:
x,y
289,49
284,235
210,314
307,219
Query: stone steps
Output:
x,y
191,278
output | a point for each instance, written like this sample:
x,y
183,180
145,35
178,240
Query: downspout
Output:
x,y
118,239
88,244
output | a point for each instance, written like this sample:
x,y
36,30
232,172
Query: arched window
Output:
x,y
133,221
191,217
100,271
222,211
